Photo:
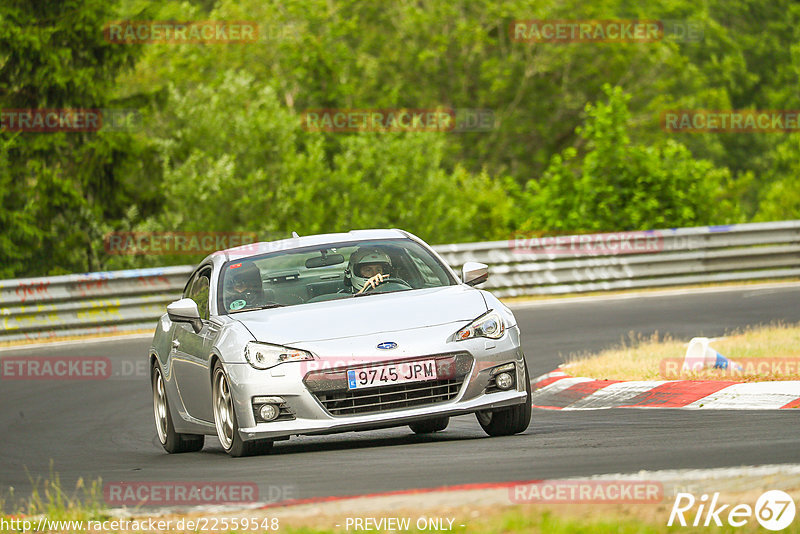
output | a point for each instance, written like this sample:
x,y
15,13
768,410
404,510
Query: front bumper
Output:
x,y
311,418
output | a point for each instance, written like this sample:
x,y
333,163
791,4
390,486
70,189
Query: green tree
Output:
x,y
235,158
216,153
59,190
780,199
619,185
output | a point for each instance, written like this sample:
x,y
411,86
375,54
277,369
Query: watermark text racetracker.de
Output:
x,y
132,32
603,31
41,368
636,242
730,121
160,243
193,493
587,491
52,120
344,120
740,368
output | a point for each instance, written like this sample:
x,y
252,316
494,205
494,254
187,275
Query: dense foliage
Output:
x,y
219,145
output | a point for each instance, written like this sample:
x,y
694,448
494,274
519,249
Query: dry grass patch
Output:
x,y
765,353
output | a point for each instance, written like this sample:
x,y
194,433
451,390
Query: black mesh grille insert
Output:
x,y
394,397
330,387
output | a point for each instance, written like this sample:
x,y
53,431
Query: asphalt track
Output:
x,y
104,428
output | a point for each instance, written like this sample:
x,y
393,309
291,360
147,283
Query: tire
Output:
x,y
172,441
508,421
430,425
225,419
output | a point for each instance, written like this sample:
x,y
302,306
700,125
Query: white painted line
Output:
x,y
751,396
547,375
703,474
612,395
652,294
558,386
46,344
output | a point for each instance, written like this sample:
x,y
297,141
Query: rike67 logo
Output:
x,y
774,510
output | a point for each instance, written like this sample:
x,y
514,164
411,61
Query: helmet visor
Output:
x,y
368,270
242,284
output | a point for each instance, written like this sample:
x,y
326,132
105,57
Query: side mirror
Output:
x,y
474,273
185,311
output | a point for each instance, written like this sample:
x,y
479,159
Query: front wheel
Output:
x,y
173,442
508,421
225,419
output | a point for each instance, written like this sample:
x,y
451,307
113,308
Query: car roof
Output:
x,y
255,249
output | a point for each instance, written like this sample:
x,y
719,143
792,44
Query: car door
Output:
x,y
191,352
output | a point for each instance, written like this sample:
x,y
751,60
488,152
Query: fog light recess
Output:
x,y
267,409
504,381
269,412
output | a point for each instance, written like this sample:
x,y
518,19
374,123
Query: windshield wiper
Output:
x,y
379,292
262,307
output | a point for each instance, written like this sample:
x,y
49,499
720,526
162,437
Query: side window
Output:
x,y
187,289
199,292
426,272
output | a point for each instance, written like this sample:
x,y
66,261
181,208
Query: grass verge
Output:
x,y
470,516
561,519
764,353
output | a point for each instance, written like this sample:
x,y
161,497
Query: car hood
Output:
x,y
362,316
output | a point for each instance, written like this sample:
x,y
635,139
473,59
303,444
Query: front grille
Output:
x,y
394,397
330,387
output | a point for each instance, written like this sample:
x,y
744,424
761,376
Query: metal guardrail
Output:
x,y
673,257
103,302
119,301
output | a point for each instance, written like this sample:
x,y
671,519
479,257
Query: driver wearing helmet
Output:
x,y
243,287
367,269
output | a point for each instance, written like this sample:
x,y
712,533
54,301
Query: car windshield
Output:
x,y
329,272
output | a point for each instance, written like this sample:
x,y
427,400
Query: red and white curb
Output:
x,y
559,391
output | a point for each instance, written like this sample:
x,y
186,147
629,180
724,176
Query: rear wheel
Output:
x,y
430,425
225,420
173,442
508,421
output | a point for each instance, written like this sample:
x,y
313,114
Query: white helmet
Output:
x,y
361,258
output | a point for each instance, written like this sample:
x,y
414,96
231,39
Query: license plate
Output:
x,y
397,373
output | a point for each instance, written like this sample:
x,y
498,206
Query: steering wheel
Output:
x,y
368,288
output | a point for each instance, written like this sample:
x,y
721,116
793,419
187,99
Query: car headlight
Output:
x,y
490,324
264,356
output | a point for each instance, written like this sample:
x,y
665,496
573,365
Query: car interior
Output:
x,y
282,284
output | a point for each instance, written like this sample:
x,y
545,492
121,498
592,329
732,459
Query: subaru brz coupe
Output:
x,y
333,333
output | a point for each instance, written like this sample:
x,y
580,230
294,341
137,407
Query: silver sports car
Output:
x,y
333,333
